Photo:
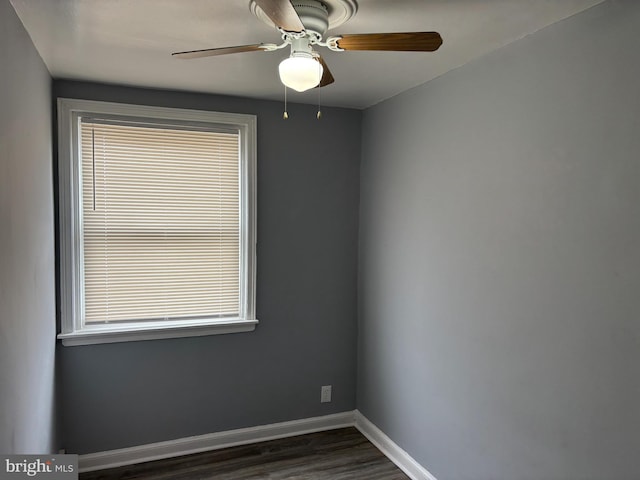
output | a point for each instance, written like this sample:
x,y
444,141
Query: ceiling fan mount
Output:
x,y
303,24
316,16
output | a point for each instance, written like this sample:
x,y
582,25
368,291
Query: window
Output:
x,y
157,222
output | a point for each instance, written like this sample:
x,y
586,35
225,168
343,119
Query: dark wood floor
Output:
x,y
333,455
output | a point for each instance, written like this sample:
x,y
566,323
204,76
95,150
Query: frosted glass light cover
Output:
x,y
300,73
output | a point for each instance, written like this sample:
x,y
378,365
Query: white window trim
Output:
x,y
73,330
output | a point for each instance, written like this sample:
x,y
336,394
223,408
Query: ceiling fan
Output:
x,y
303,24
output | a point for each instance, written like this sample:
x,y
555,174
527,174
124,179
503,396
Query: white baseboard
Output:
x,y
245,436
212,441
392,451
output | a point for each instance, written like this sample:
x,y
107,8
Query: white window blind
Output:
x,y
160,222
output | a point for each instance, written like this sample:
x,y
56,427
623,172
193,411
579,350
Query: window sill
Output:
x,y
123,333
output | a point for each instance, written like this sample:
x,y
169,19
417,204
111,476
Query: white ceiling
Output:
x,y
130,41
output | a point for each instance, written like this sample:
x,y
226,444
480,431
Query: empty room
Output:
x,y
320,239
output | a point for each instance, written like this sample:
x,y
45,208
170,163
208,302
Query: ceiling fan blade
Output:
x,y
282,14
327,77
212,52
397,42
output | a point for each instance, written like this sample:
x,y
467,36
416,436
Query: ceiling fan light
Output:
x,y
300,72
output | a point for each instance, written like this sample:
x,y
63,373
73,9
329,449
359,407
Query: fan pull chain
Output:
x,y
285,115
319,114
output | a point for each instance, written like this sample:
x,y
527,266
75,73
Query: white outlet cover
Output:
x,y
325,394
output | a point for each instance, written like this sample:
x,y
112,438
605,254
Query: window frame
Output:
x,y
74,331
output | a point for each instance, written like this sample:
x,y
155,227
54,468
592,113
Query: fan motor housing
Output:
x,y
316,16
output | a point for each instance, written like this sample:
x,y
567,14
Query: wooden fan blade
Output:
x,y
212,52
397,42
282,14
327,77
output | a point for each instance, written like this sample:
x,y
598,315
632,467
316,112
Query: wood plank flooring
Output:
x,y
334,455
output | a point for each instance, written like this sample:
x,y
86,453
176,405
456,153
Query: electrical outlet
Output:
x,y
325,394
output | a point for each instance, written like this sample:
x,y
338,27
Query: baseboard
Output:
x,y
212,441
392,451
245,436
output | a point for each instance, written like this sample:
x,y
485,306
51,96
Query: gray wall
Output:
x,y
499,333
118,395
27,299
